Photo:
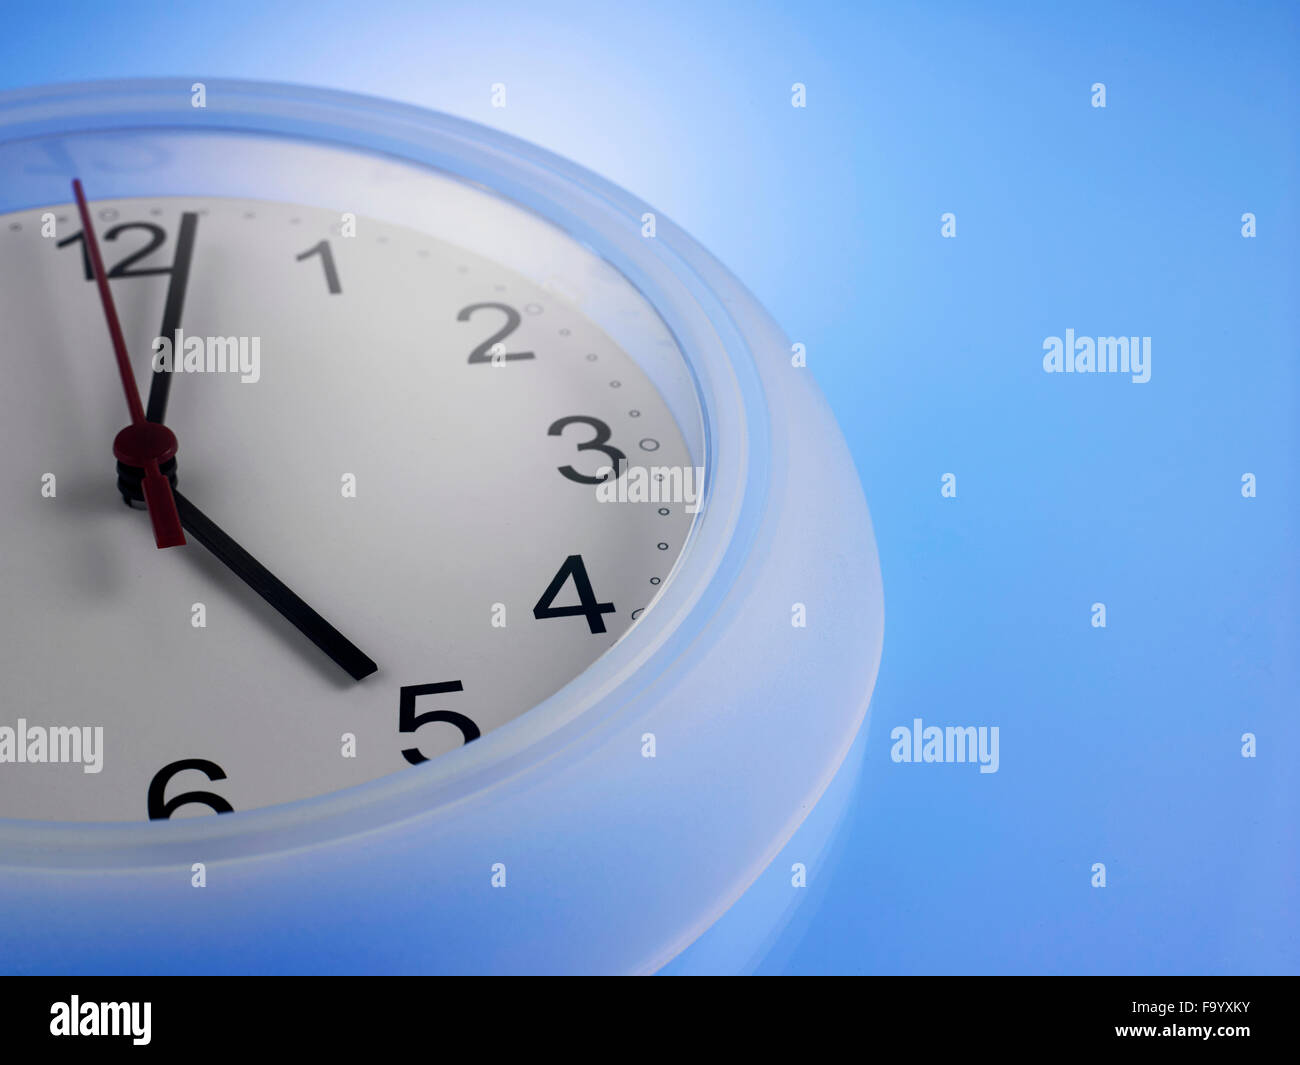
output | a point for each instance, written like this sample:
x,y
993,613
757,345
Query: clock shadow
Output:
x,y
96,566
99,570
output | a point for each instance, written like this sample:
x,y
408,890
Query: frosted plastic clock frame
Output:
x,y
614,862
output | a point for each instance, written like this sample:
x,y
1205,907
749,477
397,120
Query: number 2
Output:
x,y
483,353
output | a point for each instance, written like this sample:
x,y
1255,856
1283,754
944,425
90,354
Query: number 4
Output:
x,y
587,605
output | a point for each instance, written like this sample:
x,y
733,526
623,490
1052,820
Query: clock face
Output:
x,y
413,437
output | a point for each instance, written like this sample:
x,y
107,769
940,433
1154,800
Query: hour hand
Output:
x,y
340,649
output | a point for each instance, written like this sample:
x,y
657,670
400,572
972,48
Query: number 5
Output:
x,y
408,720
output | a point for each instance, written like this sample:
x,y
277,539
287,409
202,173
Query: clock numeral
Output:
x,y
157,235
161,810
408,720
483,353
327,261
587,606
600,442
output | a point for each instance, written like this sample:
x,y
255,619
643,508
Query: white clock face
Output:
x,y
416,459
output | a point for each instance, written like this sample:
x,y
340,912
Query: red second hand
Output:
x,y
142,443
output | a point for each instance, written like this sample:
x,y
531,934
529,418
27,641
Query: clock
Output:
x,y
472,580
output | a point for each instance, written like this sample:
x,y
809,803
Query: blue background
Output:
x,y
1118,745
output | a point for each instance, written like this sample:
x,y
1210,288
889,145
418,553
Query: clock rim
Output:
x,y
678,278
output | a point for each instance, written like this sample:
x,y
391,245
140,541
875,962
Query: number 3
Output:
x,y
599,442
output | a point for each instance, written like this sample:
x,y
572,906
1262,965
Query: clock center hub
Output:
x,y
138,445
134,448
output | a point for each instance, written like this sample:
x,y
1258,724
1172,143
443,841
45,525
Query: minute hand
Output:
x,y
343,651
171,320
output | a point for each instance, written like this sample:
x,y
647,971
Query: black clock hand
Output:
x,y
338,647
171,320
343,651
